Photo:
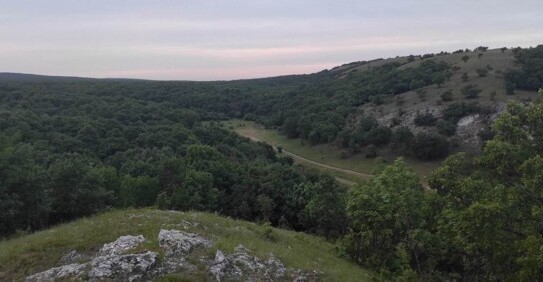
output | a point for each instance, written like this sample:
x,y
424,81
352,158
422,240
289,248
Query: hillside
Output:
x,y
302,255
74,148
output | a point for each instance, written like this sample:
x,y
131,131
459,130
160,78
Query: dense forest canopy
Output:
x,y
69,149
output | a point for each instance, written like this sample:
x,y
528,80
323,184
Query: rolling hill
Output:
x,y
77,242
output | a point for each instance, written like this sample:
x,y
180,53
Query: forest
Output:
x,y
73,147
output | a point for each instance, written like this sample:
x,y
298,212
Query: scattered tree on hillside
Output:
x,y
482,72
465,58
429,146
425,119
465,77
470,91
447,96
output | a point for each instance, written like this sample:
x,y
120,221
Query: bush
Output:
x,y
401,140
470,91
482,72
447,96
378,136
465,77
371,151
429,146
446,127
425,119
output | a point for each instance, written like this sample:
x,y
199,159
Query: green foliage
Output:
x,y
482,72
72,149
429,146
530,76
401,140
446,127
385,216
465,77
447,96
139,191
425,119
470,91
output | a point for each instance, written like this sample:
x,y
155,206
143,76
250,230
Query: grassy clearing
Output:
x,y
325,153
42,250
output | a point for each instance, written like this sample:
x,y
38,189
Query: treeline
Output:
x,y
317,112
530,75
70,149
481,220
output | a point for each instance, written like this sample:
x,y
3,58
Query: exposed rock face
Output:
x,y
131,267
179,244
109,263
61,272
240,266
121,245
114,262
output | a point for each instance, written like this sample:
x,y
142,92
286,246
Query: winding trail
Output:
x,y
251,135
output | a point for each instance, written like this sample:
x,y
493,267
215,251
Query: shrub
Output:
x,y
371,151
482,72
447,96
446,127
470,91
465,77
429,146
425,119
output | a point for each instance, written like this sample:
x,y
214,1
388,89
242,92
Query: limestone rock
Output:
x,y
61,272
121,245
241,266
121,267
179,244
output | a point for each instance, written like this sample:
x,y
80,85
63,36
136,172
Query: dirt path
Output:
x,y
251,135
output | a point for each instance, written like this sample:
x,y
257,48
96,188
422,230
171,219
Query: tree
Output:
x,y
465,58
429,146
482,72
401,140
447,96
75,190
324,207
139,191
470,91
425,119
385,216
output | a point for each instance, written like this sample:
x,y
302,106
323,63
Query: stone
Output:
x,y
122,266
61,272
179,244
121,245
241,266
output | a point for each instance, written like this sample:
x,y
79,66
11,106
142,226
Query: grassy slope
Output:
x,y
329,154
42,250
325,153
492,82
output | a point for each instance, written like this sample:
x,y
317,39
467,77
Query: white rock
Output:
x,y
121,245
61,272
179,244
122,266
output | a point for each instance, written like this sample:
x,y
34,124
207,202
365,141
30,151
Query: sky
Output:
x,y
234,39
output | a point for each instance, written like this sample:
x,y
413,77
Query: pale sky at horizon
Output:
x,y
232,39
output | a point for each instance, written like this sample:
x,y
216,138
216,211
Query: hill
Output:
x,y
70,149
296,254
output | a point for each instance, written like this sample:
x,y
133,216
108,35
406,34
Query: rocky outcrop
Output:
x,y
241,266
121,245
115,262
179,244
109,263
